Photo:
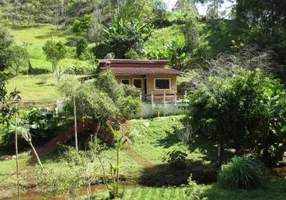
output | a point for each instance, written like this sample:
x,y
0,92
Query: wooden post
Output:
x,y
164,101
75,123
175,98
16,148
152,99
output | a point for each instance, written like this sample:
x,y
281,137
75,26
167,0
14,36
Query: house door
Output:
x,y
145,88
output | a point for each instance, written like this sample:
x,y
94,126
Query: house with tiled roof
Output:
x,y
151,76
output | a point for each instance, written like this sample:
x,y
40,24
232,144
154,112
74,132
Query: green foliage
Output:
x,y
93,103
37,123
81,46
55,51
140,9
18,58
68,85
6,40
130,107
243,173
80,171
80,26
176,159
191,31
101,49
130,90
107,83
131,54
194,190
247,108
125,35
175,54
8,108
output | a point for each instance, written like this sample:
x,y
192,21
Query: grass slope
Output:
x,y
35,87
40,84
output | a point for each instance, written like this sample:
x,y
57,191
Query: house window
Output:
x,y
137,83
162,84
125,81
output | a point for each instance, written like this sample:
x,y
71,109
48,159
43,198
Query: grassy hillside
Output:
x,y
40,84
35,87
216,36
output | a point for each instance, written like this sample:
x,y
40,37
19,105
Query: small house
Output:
x,y
151,76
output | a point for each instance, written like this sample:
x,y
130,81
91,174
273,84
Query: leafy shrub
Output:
x,y
81,46
194,191
80,26
131,107
101,49
132,54
39,122
68,85
130,90
247,108
176,159
243,173
79,67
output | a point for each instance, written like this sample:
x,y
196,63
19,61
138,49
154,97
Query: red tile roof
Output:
x,y
142,71
136,67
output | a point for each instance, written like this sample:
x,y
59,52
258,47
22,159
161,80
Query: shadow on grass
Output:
x,y
168,176
36,71
22,27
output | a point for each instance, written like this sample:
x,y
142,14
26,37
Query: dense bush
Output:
x,y
79,67
247,109
68,85
80,26
130,107
104,100
101,49
81,46
39,122
123,35
130,90
243,173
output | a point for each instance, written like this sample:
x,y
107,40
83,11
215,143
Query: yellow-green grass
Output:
x,y
8,178
35,87
162,37
40,34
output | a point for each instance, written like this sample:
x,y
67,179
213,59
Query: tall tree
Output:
x,y
55,51
6,40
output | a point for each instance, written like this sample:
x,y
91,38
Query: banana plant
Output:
x,y
120,141
174,50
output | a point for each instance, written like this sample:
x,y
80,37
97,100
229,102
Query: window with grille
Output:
x,y
137,83
125,81
162,84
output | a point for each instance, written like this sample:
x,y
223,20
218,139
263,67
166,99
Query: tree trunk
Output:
x,y
220,149
36,155
117,174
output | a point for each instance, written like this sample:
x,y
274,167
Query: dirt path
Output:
x,y
141,160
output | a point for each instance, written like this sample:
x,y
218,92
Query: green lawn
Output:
x,y
35,87
40,34
40,84
151,143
